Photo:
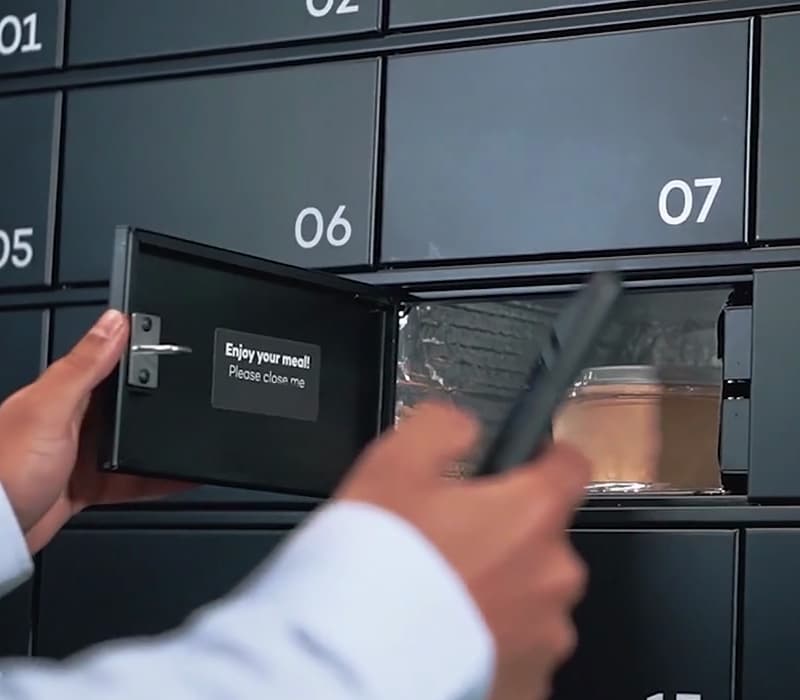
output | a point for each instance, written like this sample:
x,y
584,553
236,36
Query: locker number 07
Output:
x,y
322,8
683,195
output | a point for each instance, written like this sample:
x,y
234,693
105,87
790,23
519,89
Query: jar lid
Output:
x,y
650,374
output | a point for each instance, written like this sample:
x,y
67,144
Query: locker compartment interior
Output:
x,y
646,410
662,407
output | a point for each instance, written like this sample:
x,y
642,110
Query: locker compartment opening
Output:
x,y
662,406
647,410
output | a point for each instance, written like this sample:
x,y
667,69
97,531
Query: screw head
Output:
x,y
147,323
144,376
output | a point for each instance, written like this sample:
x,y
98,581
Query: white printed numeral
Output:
x,y
16,248
322,8
14,31
713,185
338,231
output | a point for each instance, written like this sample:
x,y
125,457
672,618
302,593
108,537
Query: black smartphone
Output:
x,y
528,425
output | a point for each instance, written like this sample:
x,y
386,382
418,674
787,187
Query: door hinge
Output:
x,y
146,348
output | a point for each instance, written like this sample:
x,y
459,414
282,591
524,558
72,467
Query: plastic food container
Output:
x,y
645,429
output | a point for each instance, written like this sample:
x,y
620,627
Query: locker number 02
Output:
x,y
18,35
683,194
16,248
322,8
311,225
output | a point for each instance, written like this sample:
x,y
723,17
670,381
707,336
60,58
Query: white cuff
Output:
x,y
367,586
16,565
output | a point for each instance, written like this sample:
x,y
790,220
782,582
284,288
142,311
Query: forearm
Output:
x,y
358,605
16,565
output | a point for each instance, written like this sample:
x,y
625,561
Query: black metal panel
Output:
x,y
690,513
734,449
113,30
407,13
253,435
109,584
568,146
23,344
15,621
29,152
31,35
658,616
778,208
54,297
774,467
619,16
69,325
738,341
248,162
641,269
771,609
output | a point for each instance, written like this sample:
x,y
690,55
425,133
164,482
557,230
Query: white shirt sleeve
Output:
x,y
16,565
356,605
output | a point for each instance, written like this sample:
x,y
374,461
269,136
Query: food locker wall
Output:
x,y
735,50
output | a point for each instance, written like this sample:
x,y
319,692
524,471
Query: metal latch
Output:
x,y
145,349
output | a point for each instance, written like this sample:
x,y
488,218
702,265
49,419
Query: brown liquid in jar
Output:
x,y
646,433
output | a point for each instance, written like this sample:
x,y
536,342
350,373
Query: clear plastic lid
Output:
x,y
650,375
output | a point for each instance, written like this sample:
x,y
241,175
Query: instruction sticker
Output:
x,y
261,374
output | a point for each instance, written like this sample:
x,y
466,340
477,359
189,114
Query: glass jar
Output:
x,y
645,429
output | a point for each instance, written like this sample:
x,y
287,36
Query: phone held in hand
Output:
x,y
527,427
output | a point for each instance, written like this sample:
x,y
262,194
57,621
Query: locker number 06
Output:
x,y
310,226
322,8
16,248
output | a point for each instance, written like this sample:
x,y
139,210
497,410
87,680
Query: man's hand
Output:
x,y
48,452
505,535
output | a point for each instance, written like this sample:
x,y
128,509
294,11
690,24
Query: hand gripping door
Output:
x,y
241,371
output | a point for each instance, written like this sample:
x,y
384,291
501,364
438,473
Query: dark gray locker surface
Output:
x,y
405,13
101,585
566,146
777,206
771,636
69,325
29,153
112,30
774,420
23,342
658,616
233,161
15,621
31,35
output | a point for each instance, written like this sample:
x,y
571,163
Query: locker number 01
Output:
x,y
18,35
322,8
683,195
16,248
310,226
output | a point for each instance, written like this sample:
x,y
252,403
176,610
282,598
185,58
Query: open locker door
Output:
x,y
241,371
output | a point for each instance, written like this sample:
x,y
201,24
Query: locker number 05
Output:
x,y
16,248
682,194
322,8
310,226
